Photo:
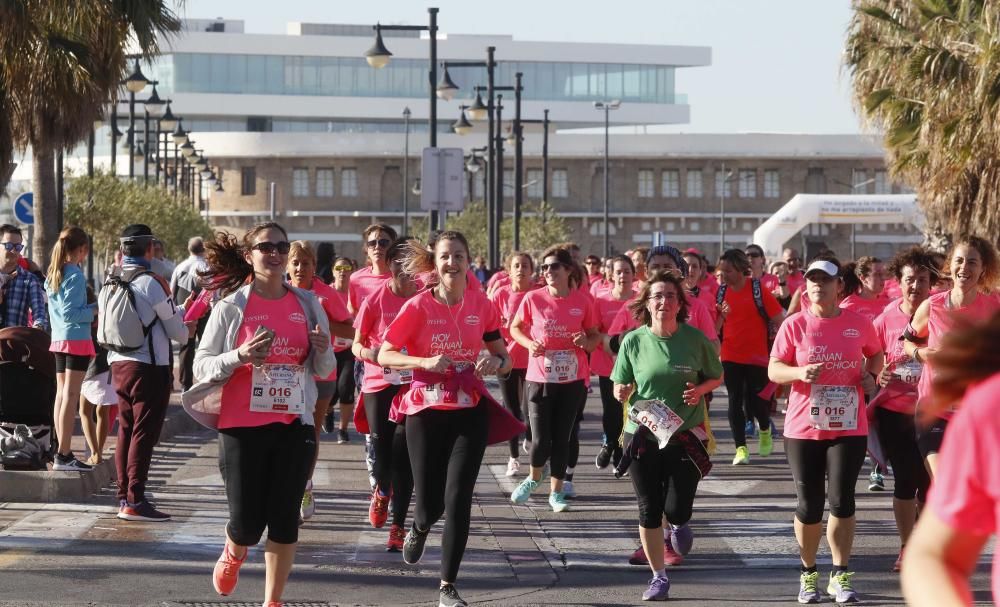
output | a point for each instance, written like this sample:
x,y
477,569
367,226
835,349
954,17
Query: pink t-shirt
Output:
x,y
376,314
795,280
363,283
707,297
700,318
965,494
554,321
869,308
427,327
607,307
891,289
900,394
336,311
600,288
339,345
499,279
769,282
842,343
290,346
941,320
506,301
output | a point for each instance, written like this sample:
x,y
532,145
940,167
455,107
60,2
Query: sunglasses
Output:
x,y
13,246
382,243
342,268
270,248
556,265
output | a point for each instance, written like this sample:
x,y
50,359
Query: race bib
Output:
x,y
908,372
833,407
342,343
278,388
397,377
560,366
437,395
658,418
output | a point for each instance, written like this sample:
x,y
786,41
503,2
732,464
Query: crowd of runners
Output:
x,y
884,360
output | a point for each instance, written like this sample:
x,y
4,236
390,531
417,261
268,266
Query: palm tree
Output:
x,y
58,67
926,76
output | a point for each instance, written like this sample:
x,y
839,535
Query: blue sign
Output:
x,y
24,208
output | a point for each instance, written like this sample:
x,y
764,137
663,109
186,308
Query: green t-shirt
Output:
x,y
661,366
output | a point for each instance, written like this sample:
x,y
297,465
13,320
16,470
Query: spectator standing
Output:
x,y
23,292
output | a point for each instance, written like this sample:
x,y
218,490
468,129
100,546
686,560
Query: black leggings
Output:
x,y
552,410
345,377
383,437
611,419
512,391
446,449
665,481
744,384
574,437
265,469
811,461
898,434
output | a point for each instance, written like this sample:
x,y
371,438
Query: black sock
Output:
x,y
805,569
839,568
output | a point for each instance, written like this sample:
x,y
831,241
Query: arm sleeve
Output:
x,y
711,366
784,349
75,308
38,305
211,362
623,373
171,317
873,345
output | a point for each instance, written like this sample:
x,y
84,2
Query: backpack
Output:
x,y
758,301
24,447
120,328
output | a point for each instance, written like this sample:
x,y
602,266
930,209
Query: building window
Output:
x,y
300,183
248,181
695,187
723,184
748,183
560,183
772,184
349,182
671,183
324,183
858,179
535,183
882,184
646,187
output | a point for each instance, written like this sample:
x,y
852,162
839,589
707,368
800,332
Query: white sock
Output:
x,y
661,573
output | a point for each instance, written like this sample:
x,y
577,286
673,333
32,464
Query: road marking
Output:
x,y
49,528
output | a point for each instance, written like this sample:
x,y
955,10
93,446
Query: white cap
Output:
x,y
823,266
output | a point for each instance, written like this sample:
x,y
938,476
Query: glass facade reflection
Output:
x,y
352,77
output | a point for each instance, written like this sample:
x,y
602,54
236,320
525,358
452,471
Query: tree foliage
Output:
x,y
103,205
926,76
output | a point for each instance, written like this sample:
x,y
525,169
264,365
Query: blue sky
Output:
x,y
776,63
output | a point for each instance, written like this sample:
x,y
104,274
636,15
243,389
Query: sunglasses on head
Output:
x,y
270,248
381,243
555,265
342,268
13,246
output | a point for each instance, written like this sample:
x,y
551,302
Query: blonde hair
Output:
x,y
302,248
70,240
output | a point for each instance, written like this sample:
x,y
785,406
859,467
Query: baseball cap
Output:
x,y
135,233
821,265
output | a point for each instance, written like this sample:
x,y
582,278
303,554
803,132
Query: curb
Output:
x,y
48,486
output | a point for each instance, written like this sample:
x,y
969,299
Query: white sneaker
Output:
x,y
513,466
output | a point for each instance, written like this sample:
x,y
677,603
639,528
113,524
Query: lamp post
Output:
x,y
135,83
406,170
165,125
854,227
606,107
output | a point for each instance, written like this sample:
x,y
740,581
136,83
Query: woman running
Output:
x,y
964,508
673,365
345,387
609,304
823,352
895,404
302,271
70,316
507,299
558,326
393,476
450,416
975,270
254,368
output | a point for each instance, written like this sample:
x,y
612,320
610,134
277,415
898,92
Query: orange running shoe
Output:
x,y
396,536
378,509
227,571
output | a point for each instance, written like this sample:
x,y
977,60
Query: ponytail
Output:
x,y
70,239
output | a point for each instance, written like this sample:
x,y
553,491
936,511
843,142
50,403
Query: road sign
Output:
x,y
24,208
441,180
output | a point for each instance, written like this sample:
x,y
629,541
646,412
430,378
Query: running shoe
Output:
x,y
450,598
274,604
808,591
898,566
682,539
774,429
396,538
343,437
513,466
765,443
750,429
616,456
604,457
742,456
523,491
568,490
413,546
840,589
69,463
328,423
638,557
659,589
143,511
876,482
227,571
378,509
558,502
308,508
671,558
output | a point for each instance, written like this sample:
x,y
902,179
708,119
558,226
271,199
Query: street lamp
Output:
x,y
723,185
478,110
606,107
378,56
187,149
447,88
406,170
461,126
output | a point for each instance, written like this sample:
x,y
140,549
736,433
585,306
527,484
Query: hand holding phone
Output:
x,y
256,349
